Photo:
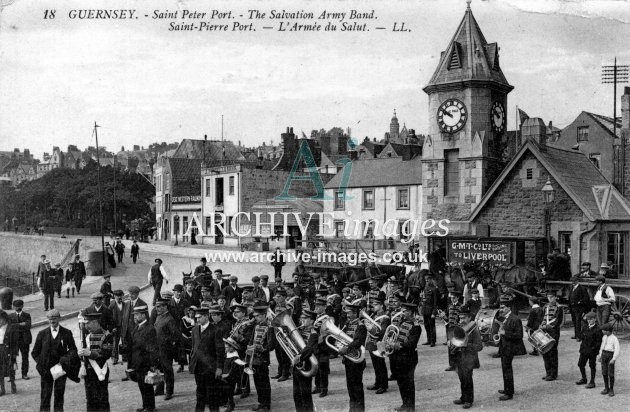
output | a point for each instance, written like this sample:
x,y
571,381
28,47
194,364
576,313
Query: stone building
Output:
x,y
467,111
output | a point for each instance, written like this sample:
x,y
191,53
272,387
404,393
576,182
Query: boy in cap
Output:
x,y
53,344
21,321
99,348
534,318
98,306
608,353
510,344
553,316
579,302
589,348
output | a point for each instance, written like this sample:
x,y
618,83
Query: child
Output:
x,y
589,348
534,318
608,353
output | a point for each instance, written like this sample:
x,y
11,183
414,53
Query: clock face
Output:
x,y
497,117
452,116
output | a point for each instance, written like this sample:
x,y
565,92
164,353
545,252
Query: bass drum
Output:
x,y
487,321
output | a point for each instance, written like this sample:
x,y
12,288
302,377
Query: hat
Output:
x,y
352,307
465,310
534,299
92,316
201,311
118,292
231,342
346,289
206,289
311,314
575,278
261,305
410,306
77,256
53,313
600,278
321,301
378,301
292,285
586,263
168,293
315,276
134,289
454,293
550,292
158,260
215,309
475,291
96,295
607,327
105,275
255,279
233,278
58,265
189,281
178,288
203,259
507,298
281,292
604,266
18,303
141,309
239,306
162,301
221,297
264,277
590,316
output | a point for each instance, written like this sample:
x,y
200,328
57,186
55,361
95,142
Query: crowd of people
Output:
x,y
224,334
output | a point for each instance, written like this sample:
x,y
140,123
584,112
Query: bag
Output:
x,y
57,371
153,378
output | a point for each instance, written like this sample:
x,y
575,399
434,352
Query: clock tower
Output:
x,y
467,120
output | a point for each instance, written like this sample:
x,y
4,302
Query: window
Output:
x,y
219,192
339,200
565,242
596,158
616,253
185,224
368,199
339,230
208,224
451,169
403,198
368,229
530,174
228,225
167,202
582,134
231,185
208,187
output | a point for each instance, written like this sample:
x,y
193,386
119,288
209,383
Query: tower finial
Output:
x,y
468,4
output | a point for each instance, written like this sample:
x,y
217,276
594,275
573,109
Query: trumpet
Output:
x,y
340,340
385,347
259,333
442,315
373,328
292,343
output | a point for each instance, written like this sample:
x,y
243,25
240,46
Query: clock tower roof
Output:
x,y
468,60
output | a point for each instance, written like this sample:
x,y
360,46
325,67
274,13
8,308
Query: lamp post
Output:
x,y
176,230
548,192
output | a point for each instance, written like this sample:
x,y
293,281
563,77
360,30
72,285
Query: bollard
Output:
x,y
6,298
94,262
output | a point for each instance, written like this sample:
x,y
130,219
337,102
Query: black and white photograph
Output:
x,y
299,205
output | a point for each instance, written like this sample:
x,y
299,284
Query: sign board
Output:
x,y
186,199
471,250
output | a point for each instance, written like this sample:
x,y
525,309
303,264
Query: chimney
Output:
x,y
625,108
136,147
27,154
122,148
354,155
534,128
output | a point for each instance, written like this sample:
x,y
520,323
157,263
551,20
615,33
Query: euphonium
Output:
x,y
373,328
340,340
385,347
292,343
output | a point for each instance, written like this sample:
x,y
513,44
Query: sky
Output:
x,y
142,83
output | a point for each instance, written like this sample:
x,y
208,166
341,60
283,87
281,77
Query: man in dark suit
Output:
x,y
157,275
22,324
8,351
534,318
128,322
579,301
168,340
206,361
117,307
222,280
143,355
52,345
233,292
510,345
97,306
430,300
278,262
47,283
106,290
589,349
553,316
78,272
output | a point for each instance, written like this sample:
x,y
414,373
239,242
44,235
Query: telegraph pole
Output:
x,y
616,74
100,195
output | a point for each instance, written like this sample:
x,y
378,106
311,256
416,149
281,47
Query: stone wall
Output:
x,y
22,252
517,208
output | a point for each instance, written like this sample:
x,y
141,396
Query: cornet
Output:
x,y
340,340
442,315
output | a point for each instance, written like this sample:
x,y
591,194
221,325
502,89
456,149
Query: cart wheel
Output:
x,y
620,316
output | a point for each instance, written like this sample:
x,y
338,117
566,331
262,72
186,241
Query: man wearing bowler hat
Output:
x,y
206,361
157,275
21,321
143,355
510,344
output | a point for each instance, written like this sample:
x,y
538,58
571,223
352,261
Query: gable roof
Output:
x,y
606,123
577,176
193,149
185,176
468,57
406,151
380,172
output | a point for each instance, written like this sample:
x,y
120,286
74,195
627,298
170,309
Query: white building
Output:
x,y
380,196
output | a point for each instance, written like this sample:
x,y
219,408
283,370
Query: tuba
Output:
x,y
385,347
340,340
373,328
292,343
